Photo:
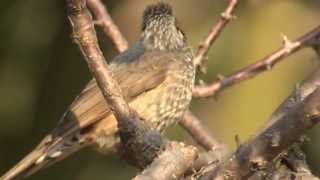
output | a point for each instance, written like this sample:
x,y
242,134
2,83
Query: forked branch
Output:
x,y
262,65
105,21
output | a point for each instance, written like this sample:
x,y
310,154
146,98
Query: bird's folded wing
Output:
x,y
134,77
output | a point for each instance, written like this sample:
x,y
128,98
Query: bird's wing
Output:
x,y
134,77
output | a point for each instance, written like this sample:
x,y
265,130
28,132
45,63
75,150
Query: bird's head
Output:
x,y
160,28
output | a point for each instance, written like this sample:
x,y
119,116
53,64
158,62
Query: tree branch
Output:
x,y
264,64
290,165
216,150
201,134
215,31
107,24
171,164
189,122
298,113
141,144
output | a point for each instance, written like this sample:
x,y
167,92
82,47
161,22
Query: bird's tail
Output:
x,y
45,154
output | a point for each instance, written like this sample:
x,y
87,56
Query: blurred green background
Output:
x,y
41,71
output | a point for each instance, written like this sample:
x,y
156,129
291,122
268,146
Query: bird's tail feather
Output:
x,y
47,153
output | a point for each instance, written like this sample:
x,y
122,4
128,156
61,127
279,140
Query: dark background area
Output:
x,y
42,70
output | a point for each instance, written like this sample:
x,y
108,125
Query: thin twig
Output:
x,y
264,64
216,151
107,24
215,31
298,113
200,134
189,122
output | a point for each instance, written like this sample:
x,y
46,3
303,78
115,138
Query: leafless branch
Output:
x,y
294,116
264,64
107,24
141,144
215,31
216,150
171,164
85,36
201,134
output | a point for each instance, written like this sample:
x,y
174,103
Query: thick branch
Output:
x,y
291,120
215,31
264,64
294,165
171,164
141,144
291,165
107,24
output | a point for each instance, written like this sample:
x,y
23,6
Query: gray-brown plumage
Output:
x,y
156,76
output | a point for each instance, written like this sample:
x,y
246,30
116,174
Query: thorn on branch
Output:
x,y
268,66
316,44
202,68
220,77
227,16
288,45
237,140
202,82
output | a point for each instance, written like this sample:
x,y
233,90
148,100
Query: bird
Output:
x,y
156,75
